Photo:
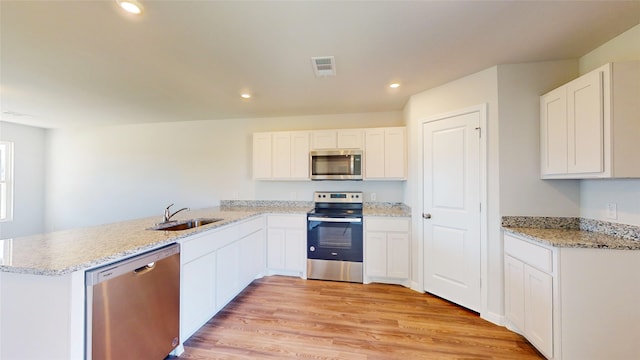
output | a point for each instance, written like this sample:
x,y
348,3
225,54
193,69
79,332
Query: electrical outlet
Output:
x,y
292,195
235,195
373,196
612,211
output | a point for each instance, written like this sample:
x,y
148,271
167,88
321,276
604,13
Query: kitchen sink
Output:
x,y
184,224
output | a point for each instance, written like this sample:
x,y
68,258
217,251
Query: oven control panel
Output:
x,y
337,197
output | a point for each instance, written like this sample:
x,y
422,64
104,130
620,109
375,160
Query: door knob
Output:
x,y
426,216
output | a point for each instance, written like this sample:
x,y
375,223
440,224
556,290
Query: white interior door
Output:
x,y
451,208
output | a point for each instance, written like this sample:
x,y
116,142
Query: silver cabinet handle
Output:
x,y
426,216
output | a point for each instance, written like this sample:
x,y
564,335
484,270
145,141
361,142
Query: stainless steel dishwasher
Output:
x,y
133,307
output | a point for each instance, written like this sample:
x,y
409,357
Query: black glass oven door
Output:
x,y
334,238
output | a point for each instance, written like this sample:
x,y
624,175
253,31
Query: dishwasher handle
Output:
x,y
145,269
135,264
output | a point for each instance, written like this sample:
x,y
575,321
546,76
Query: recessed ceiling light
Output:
x,y
394,85
130,6
245,96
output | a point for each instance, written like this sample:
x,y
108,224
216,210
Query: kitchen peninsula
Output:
x,y
42,285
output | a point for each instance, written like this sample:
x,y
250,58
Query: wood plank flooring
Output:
x,y
290,318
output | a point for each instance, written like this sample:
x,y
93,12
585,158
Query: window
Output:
x,y
6,181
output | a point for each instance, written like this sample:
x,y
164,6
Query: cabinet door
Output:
x,y
514,291
538,309
398,255
197,294
295,249
376,253
262,156
553,132
281,156
300,155
252,250
395,154
275,248
324,139
350,139
227,273
586,124
374,154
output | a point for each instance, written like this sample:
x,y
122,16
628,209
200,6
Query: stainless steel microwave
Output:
x,y
336,164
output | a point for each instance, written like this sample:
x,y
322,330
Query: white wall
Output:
x,y
109,174
29,178
475,89
514,186
596,194
624,47
522,192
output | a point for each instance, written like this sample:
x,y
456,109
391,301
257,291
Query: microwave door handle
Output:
x,y
352,161
335,220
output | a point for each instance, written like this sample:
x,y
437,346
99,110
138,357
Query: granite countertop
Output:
x,y
574,232
386,209
63,252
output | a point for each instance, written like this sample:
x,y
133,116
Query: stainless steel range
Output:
x,y
334,237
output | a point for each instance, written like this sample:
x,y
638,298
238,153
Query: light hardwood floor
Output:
x,y
289,318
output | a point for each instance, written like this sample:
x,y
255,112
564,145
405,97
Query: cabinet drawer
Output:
x,y
532,254
387,224
250,226
198,245
287,221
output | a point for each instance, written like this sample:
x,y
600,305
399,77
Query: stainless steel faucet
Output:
x,y
168,215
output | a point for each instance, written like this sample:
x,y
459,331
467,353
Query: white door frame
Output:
x,y
482,110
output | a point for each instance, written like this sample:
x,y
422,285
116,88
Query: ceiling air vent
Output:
x,y
324,66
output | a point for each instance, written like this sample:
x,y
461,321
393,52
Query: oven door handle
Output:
x,y
336,220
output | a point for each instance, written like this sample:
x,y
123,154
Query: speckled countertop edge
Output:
x,y
63,252
574,232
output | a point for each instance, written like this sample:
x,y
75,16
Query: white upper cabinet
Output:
x,y
589,127
285,155
281,155
262,156
290,155
553,130
326,139
385,154
350,139
585,124
337,139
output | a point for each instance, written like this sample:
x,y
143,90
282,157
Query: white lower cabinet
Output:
x,y
528,277
227,273
514,291
538,308
216,266
529,304
287,244
254,256
573,303
197,293
387,253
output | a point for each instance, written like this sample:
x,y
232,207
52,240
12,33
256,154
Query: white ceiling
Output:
x,y
79,63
